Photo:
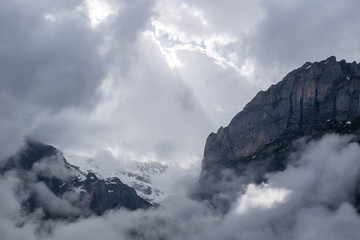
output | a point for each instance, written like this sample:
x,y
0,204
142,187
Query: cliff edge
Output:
x,y
305,101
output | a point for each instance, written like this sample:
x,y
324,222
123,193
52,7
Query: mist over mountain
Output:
x,y
137,175
298,177
179,119
314,100
50,186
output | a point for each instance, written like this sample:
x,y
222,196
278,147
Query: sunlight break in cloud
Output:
x,y
171,37
261,197
98,11
81,75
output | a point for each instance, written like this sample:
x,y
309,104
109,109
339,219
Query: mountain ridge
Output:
x,y
59,190
309,102
284,110
137,175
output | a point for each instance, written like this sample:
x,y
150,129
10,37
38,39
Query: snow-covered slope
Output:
x,y
135,174
55,189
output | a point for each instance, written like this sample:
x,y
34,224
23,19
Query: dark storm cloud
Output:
x,y
90,88
52,60
52,70
51,63
45,65
294,32
124,28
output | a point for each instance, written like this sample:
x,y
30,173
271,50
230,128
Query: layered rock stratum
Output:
x,y
316,99
313,97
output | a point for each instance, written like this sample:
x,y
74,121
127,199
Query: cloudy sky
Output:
x,y
149,80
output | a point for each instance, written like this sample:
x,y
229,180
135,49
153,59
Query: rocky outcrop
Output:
x,y
311,101
308,99
49,184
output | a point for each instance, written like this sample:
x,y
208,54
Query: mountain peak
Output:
x,y
44,172
316,97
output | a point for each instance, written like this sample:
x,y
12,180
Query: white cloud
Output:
x,y
295,204
99,10
262,196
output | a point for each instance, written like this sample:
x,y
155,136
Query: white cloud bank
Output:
x,y
312,199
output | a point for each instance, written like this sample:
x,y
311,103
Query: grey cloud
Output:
x,y
45,65
67,129
230,16
145,105
312,209
52,203
152,105
164,149
52,166
320,222
54,64
151,109
309,211
9,200
332,164
122,33
50,67
187,99
295,32
221,92
275,37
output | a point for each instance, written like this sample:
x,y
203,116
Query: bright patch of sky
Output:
x,y
49,17
261,197
171,37
98,11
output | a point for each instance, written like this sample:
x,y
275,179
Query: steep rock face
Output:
x,y
310,102
59,190
307,100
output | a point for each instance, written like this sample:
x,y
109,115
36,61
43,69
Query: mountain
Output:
x,y
137,175
316,99
50,186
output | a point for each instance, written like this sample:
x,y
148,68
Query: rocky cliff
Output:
x,y
313,100
307,99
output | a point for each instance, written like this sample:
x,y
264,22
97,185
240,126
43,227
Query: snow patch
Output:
x,y
79,190
135,174
107,183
